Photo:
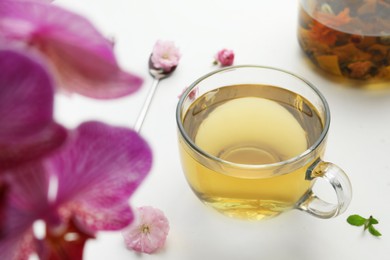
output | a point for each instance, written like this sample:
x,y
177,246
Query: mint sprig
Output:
x,y
368,223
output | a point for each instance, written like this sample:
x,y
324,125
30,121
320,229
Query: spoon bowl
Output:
x,y
159,73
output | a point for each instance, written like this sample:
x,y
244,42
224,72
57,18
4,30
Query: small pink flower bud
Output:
x,y
225,57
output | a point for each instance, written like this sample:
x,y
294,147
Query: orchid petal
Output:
x,y
4,187
97,172
27,128
18,248
25,202
95,217
83,59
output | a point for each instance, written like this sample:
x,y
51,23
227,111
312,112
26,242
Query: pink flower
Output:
x,y
83,60
224,57
76,181
148,232
84,187
165,55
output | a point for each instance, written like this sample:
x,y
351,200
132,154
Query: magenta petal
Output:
x,y
98,171
83,59
26,102
26,198
25,202
95,217
19,248
93,75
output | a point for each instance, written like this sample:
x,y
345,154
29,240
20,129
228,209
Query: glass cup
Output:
x,y
347,38
251,142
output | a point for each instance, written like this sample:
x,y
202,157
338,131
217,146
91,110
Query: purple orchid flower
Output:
x,y
84,187
82,59
27,129
77,182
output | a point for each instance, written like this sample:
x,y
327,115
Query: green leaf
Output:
x,y
373,231
372,221
356,220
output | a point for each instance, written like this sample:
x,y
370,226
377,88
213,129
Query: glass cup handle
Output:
x,y
313,205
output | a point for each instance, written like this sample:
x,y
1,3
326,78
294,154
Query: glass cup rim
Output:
x,y
304,154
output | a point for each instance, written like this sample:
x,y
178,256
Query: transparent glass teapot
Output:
x,y
349,38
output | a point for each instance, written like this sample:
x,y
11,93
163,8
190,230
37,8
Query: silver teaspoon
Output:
x,y
157,74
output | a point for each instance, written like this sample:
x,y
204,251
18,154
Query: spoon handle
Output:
x,y
146,105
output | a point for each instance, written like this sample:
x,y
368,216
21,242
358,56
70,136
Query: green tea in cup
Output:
x,y
251,143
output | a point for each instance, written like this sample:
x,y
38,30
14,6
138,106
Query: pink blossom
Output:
x,y
77,181
224,57
83,60
94,173
165,55
148,232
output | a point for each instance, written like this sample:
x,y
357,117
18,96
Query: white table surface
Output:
x,y
260,32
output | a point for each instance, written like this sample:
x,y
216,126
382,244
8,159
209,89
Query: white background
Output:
x,y
263,33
